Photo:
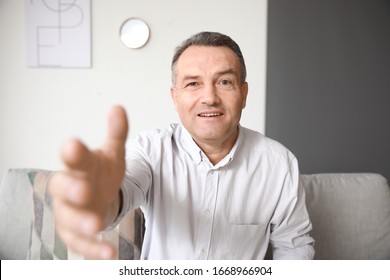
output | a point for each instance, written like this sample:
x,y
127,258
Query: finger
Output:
x,y
117,131
80,221
90,248
76,155
63,186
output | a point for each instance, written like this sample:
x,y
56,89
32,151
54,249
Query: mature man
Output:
x,y
208,187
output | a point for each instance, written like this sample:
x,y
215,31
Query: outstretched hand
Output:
x,y
86,193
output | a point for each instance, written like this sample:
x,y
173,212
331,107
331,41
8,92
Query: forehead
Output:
x,y
207,58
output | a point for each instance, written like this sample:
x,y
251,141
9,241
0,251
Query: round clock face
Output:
x,y
134,33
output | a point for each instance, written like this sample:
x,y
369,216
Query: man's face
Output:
x,y
209,94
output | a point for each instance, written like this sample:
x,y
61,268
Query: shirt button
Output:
x,y
202,253
207,212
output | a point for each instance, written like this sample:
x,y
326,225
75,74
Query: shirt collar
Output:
x,y
230,156
190,146
197,154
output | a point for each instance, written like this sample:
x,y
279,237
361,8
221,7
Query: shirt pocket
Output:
x,y
246,241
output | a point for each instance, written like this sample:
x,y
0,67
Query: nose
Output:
x,y
210,96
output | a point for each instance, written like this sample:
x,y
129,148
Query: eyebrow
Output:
x,y
190,77
220,73
227,71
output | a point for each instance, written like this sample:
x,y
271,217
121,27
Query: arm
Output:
x,y
290,228
86,194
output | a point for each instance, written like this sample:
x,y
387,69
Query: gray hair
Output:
x,y
211,39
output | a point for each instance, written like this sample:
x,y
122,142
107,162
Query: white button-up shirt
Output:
x,y
232,210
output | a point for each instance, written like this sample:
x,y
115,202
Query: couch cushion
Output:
x,y
350,215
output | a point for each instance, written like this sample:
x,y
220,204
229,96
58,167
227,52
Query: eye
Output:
x,y
191,84
225,82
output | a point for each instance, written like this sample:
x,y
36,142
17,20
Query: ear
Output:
x,y
244,92
174,97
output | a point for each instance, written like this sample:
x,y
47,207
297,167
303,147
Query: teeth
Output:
x,y
210,115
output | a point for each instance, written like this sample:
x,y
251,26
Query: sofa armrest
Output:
x,y
15,214
28,226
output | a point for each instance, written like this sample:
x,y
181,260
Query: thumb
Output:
x,y
117,131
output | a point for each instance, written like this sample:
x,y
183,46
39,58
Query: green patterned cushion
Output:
x,y
45,243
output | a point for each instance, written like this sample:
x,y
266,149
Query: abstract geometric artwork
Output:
x,y
58,33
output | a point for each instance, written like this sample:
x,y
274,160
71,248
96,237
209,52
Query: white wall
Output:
x,y
41,108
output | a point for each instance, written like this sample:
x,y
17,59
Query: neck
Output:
x,y
215,156
216,150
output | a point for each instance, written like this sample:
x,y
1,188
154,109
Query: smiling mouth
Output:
x,y
210,115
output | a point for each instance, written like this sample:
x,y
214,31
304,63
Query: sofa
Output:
x,y
350,214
